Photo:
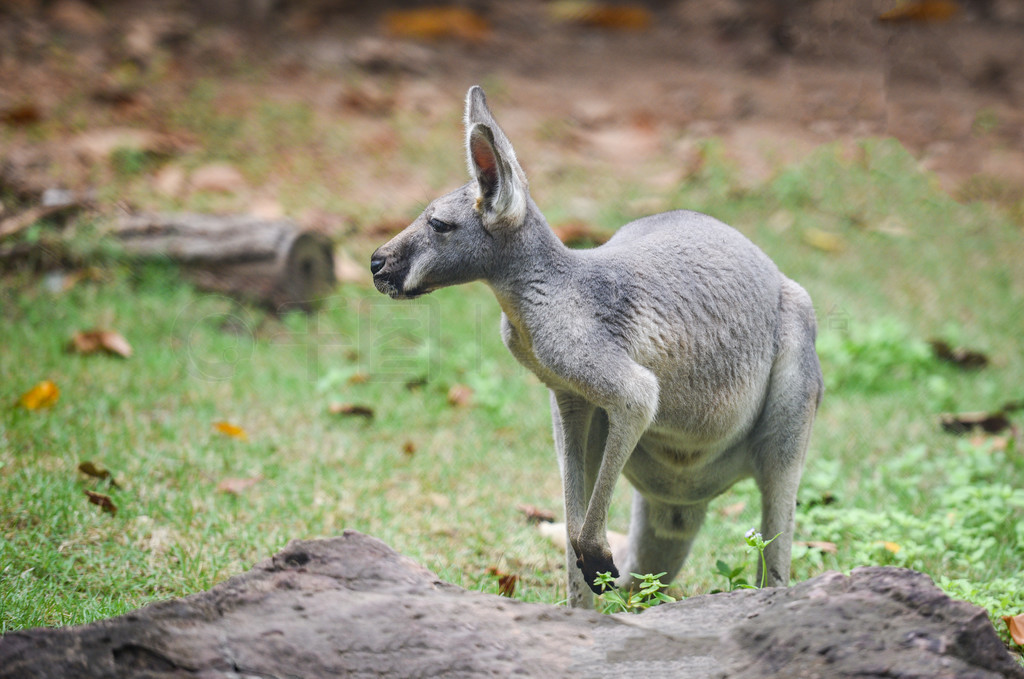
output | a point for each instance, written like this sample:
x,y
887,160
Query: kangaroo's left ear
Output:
x,y
492,162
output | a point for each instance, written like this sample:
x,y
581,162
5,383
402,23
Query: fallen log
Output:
x,y
269,262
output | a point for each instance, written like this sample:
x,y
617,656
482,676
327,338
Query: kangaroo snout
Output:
x,y
386,278
377,262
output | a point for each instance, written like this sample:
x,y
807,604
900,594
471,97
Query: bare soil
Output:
x,y
773,80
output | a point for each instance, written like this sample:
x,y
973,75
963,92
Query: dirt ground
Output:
x,y
772,79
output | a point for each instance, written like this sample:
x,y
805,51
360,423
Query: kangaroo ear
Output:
x,y
493,164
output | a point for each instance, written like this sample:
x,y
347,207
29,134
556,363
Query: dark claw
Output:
x,y
594,566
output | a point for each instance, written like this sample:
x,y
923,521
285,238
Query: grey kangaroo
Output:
x,y
676,354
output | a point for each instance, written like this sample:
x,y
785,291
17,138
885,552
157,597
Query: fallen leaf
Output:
x,y
1015,624
437,23
351,409
104,501
825,241
891,547
91,341
575,233
409,448
460,395
827,547
359,378
921,11
961,423
601,15
97,472
536,514
231,430
22,113
237,486
965,358
507,584
506,581
43,395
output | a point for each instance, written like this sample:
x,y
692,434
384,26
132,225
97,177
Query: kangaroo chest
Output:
x,y
519,343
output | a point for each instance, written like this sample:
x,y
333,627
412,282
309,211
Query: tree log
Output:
x,y
270,262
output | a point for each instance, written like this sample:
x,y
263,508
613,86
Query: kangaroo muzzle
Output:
x,y
390,272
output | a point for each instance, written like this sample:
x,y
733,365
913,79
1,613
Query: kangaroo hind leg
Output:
x,y
660,537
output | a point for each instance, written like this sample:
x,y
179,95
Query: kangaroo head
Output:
x,y
461,235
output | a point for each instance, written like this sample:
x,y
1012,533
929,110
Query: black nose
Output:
x,y
376,263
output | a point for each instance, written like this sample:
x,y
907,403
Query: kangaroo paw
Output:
x,y
593,565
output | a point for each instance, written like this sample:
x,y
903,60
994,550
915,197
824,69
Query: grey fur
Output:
x,y
676,355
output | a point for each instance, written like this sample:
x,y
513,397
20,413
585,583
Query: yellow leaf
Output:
x,y
1015,624
892,547
231,430
43,395
824,240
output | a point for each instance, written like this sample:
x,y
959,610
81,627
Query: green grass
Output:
x,y
441,483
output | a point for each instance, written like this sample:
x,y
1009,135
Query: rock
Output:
x,y
351,606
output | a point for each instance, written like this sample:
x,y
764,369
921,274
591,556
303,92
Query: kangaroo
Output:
x,y
676,354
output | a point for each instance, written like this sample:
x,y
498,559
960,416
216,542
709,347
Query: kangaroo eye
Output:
x,y
440,227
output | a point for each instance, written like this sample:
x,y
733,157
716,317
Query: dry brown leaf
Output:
x,y
409,448
507,584
1015,624
91,341
828,547
237,486
961,423
601,15
231,430
103,501
575,232
43,395
437,23
97,472
965,358
351,409
22,113
460,395
536,514
921,11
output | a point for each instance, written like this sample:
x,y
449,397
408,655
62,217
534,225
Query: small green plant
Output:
x,y
732,573
650,594
755,540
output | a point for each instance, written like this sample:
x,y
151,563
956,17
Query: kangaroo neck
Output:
x,y
534,267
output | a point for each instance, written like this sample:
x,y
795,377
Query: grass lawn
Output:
x,y
889,260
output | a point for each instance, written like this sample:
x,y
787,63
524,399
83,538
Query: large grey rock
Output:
x,y
352,607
